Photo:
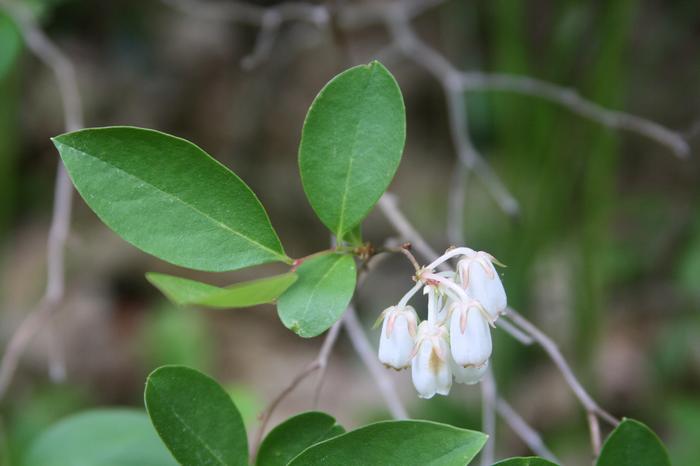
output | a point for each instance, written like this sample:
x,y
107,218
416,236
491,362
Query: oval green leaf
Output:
x,y
351,145
104,437
184,291
407,443
195,417
294,435
320,295
169,198
525,461
633,444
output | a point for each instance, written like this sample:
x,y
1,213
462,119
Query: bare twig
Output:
x,y
592,408
526,433
569,98
488,417
66,79
319,363
366,352
515,332
452,83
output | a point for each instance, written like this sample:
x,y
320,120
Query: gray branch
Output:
x,y
65,76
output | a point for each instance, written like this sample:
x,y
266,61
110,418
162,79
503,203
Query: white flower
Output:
x,y
481,281
438,302
470,335
468,375
430,369
398,333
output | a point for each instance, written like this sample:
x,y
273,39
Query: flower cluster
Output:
x,y
455,340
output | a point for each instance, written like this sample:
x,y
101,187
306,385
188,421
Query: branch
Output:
x,y
367,354
413,48
593,410
66,80
319,363
569,98
488,417
526,433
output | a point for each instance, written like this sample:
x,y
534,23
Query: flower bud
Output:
x,y
430,369
396,343
470,335
481,281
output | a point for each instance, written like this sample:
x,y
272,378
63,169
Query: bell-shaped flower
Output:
x,y
470,335
479,278
397,341
430,369
468,375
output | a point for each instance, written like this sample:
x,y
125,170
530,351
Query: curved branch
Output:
x,y
65,75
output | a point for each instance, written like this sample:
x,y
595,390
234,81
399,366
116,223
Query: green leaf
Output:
x,y
168,197
408,443
633,444
320,295
195,417
351,145
104,437
251,293
294,435
525,461
354,235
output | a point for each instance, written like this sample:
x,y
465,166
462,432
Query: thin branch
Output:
x,y
526,433
515,332
488,417
319,363
451,81
569,98
66,80
558,359
364,349
265,41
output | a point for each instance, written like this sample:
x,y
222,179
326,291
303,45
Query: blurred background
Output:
x,y
605,256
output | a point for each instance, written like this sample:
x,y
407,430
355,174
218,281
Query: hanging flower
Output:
x,y
398,336
479,278
430,368
470,336
455,339
468,375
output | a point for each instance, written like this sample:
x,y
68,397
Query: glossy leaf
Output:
x,y
633,444
408,443
294,435
320,295
104,437
525,461
168,197
251,293
351,145
195,417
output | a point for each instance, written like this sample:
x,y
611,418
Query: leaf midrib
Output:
x,y
351,159
282,257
